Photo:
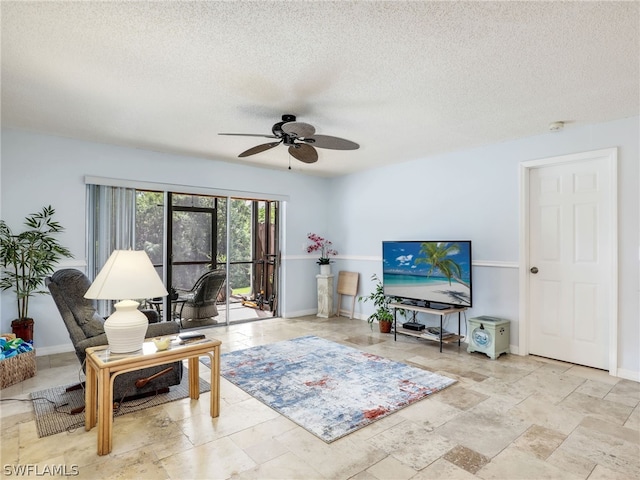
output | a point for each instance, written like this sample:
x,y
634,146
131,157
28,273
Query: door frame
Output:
x,y
525,168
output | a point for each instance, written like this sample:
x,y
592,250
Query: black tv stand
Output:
x,y
437,306
433,311
426,304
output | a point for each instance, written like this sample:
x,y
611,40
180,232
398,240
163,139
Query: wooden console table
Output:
x,y
103,366
433,311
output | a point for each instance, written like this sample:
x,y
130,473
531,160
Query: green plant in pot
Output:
x,y
26,259
382,312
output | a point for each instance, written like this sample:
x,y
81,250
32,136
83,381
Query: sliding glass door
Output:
x,y
188,235
252,259
193,235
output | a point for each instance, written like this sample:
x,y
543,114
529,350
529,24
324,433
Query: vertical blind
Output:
x,y
111,225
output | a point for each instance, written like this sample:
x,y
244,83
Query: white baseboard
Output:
x,y
628,374
300,313
42,351
347,313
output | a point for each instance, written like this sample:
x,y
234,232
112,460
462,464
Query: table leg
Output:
x,y
395,324
194,378
215,382
90,401
105,411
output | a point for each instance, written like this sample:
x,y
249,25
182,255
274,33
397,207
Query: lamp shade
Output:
x,y
127,274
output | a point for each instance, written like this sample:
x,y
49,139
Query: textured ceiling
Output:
x,y
403,79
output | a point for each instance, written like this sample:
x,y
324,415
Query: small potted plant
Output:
x,y
322,245
382,312
26,259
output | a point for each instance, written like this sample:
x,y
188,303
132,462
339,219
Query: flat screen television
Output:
x,y
436,274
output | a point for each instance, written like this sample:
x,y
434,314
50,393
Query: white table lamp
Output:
x,y
127,274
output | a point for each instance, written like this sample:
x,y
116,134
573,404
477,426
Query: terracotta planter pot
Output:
x,y
23,328
385,327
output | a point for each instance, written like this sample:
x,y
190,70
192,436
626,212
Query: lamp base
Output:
x,y
126,327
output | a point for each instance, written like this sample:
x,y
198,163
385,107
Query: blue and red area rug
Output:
x,y
329,389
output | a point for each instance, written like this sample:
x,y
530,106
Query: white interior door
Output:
x,y
572,258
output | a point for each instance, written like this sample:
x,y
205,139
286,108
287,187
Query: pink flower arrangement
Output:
x,y
322,245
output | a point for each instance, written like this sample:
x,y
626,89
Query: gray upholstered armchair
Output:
x,y
86,329
199,304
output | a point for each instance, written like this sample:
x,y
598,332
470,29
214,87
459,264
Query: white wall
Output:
x,y
39,170
471,194
474,195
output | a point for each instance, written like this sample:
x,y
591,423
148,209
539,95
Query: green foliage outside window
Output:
x,y
192,235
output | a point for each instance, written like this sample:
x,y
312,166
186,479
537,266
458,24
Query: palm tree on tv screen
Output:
x,y
437,255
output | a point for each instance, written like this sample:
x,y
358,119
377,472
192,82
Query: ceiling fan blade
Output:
x,y
333,143
259,148
298,129
249,135
303,152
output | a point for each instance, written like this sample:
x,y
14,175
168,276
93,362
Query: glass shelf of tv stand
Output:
x,y
432,311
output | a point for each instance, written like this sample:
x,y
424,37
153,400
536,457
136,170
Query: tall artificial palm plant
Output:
x,y
28,257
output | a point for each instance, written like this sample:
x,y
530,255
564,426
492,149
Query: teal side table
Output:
x,y
489,335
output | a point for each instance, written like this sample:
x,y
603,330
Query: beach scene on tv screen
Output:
x,y
434,271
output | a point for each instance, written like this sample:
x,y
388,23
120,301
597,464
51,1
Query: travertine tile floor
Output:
x,y
515,417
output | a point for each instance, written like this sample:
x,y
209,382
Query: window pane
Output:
x,y
185,276
192,236
240,279
150,224
183,200
240,231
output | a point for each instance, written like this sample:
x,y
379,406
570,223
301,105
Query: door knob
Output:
x,y
534,270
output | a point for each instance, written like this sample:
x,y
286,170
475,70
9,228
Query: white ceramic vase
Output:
x,y
325,269
126,327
